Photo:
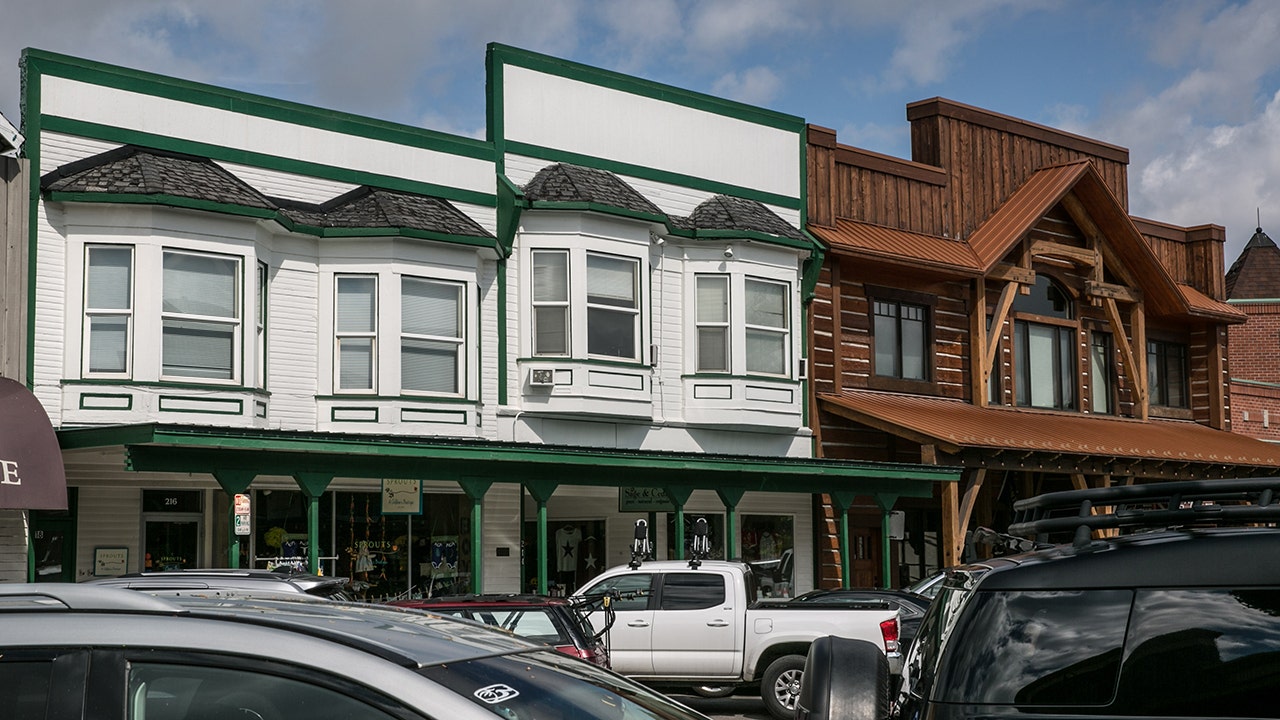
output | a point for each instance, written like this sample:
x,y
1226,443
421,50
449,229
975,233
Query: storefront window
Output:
x,y
575,554
767,543
385,556
715,532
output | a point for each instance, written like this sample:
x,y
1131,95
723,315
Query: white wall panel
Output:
x,y
565,114
501,525
107,516
161,116
13,546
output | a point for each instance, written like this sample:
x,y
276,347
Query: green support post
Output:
x,y
233,482
842,501
730,497
886,505
313,486
541,491
679,496
475,490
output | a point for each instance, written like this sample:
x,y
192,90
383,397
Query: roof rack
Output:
x,y
1159,505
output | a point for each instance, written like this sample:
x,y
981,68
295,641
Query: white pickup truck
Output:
x,y
680,625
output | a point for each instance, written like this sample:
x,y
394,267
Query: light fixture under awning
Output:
x,y
32,476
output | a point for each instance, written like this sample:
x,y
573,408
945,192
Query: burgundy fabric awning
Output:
x,y
31,473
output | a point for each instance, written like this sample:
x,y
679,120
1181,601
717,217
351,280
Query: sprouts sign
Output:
x,y
31,472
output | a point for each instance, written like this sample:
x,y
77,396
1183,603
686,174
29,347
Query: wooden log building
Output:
x,y
991,304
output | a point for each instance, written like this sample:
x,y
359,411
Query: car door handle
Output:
x,y
637,623
717,623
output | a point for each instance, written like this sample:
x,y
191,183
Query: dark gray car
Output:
x,y
263,582
86,652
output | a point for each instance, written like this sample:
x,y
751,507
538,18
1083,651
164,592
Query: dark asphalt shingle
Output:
x,y
563,182
1255,274
725,212
367,207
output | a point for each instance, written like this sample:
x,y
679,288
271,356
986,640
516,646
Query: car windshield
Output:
x,y
550,686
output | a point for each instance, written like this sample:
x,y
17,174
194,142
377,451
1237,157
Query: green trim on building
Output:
x,y
424,399
501,280
173,448
647,173
47,63
222,153
499,54
128,404
552,359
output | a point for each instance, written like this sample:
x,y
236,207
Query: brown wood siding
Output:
x,y
985,166
1198,263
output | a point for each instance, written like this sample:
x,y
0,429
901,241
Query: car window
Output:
x,y
24,688
1206,653
634,590
692,591
533,624
193,692
1036,648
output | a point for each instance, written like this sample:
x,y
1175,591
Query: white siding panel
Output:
x,y
566,114
107,516
161,116
300,188
50,295
293,343
57,149
487,347
501,523
13,546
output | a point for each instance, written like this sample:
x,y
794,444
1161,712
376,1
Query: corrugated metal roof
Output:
x,y
1202,305
1037,196
898,245
955,425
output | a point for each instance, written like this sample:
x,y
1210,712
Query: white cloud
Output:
x,y
756,86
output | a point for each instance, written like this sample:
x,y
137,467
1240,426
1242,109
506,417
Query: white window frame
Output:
x,y
91,313
458,341
578,306
632,312
263,278
783,332
235,322
723,327
371,335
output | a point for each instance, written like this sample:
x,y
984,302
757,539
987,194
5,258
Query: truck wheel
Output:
x,y
845,678
714,691
780,685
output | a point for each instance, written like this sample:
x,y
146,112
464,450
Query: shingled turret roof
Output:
x,y
563,182
367,207
1255,275
133,170
724,212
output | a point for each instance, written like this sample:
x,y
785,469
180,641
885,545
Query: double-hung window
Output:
x,y
603,305
768,336
200,316
356,332
613,306
431,336
108,322
1167,373
1101,374
550,302
261,319
712,322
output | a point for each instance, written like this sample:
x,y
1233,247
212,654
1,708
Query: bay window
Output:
x,y
741,325
431,336
613,306
712,323
767,314
355,330
585,304
108,304
200,316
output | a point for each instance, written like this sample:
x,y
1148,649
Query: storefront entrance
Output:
x,y
171,530
53,542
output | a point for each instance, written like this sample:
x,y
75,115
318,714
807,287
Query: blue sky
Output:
x,y
1192,87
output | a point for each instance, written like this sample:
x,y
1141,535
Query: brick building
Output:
x,y
1253,286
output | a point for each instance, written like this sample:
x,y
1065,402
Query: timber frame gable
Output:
x,y
991,305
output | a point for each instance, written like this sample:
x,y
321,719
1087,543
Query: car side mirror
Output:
x,y
844,679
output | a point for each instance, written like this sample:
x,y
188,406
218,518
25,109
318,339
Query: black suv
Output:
x,y
1180,617
255,582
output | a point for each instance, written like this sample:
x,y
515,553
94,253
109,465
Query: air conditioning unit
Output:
x,y
542,377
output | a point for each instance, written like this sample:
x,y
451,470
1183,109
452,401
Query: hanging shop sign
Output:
x,y
644,499
401,497
32,476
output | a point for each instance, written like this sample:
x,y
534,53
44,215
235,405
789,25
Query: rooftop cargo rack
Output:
x,y
1242,501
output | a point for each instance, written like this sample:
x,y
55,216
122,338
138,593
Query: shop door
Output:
x,y
865,558
171,543
53,542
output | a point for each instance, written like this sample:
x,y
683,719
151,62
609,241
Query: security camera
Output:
x,y
728,251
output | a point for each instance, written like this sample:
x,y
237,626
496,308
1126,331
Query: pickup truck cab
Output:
x,y
681,623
